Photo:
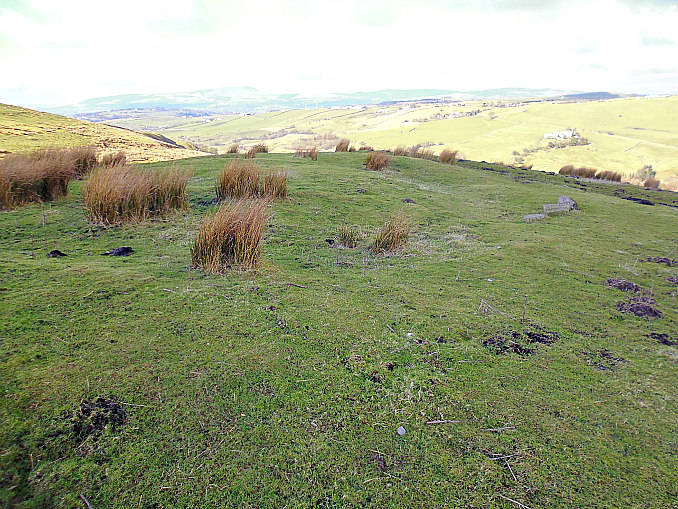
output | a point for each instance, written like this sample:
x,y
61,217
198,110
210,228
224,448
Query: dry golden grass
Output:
x,y
377,161
124,193
582,172
113,159
366,148
448,156
393,234
231,236
274,185
25,179
343,145
652,183
349,236
256,149
311,153
400,151
233,149
238,179
612,176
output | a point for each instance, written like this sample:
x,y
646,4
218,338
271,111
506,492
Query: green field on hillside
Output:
x,y
624,134
334,377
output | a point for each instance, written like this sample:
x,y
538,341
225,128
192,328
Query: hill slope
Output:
x,y
25,130
142,382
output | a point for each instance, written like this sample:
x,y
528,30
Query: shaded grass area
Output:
x,y
285,387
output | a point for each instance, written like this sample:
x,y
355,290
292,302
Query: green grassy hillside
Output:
x,y
23,130
624,134
286,387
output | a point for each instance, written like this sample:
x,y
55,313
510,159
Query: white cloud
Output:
x,y
79,49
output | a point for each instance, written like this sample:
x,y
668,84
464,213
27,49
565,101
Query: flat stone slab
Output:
x,y
533,217
566,200
550,208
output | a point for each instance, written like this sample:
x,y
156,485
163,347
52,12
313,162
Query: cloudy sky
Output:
x,y
56,52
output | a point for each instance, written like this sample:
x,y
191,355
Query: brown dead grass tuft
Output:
x,y
393,234
343,145
377,161
231,236
448,156
119,194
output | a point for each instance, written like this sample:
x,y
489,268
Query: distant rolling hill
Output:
x,y
248,99
24,130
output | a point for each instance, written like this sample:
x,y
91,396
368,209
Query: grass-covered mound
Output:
x,y
486,359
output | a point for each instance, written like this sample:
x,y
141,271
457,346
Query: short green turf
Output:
x,y
286,386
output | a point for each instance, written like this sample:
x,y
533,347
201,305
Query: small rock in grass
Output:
x,y
119,251
55,253
566,200
401,431
533,217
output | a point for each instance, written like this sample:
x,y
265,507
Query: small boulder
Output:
x,y
119,251
55,253
533,217
566,200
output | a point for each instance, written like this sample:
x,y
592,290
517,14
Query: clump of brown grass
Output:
x,y
83,159
582,172
652,183
256,149
30,178
448,156
612,176
231,236
233,149
274,185
349,236
238,179
311,153
366,148
343,145
125,193
377,161
113,159
400,151
393,234
352,148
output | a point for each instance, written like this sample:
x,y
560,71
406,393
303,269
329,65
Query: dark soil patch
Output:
x,y
660,259
95,415
55,253
119,251
603,359
623,284
663,339
520,342
408,200
640,306
672,280
642,201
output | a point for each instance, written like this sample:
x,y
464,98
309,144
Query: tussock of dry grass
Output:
x,y
113,159
241,178
42,175
238,179
377,161
231,236
366,148
349,236
612,176
652,183
24,179
393,234
343,145
400,151
311,153
274,185
448,156
125,193
233,149
256,149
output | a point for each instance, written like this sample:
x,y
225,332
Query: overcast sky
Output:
x,y
56,52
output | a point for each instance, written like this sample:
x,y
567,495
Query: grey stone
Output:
x,y
533,217
566,200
